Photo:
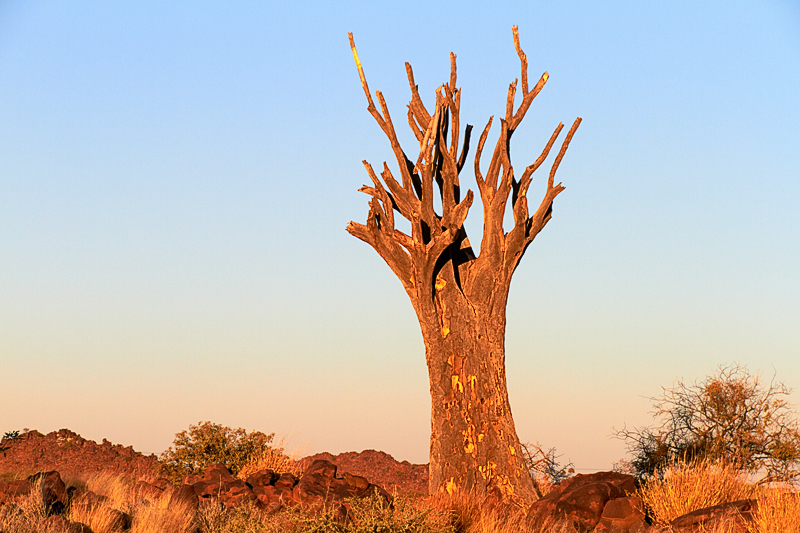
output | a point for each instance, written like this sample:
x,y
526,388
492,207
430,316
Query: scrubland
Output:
x,y
680,489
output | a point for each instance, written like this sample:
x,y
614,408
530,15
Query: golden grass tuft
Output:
x,y
274,458
147,514
470,514
26,515
778,512
683,488
159,517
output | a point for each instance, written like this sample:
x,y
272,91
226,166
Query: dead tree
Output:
x,y
460,298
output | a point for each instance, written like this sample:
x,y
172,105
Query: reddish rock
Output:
x,y
380,469
54,492
185,495
262,478
320,488
286,481
11,490
581,500
218,483
626,483
734,515
71,455
623,515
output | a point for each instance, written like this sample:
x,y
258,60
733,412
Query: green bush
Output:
x,y
207,443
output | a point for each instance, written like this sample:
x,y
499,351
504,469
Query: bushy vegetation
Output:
x,y
208,443
730,416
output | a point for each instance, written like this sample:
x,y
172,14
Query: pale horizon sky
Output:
x,y
176,178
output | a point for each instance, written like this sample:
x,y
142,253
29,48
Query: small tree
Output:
x,y
208,443
460,296
730,416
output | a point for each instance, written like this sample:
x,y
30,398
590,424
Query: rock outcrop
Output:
x,y
380,468
319,487
732,516
70,454
580,503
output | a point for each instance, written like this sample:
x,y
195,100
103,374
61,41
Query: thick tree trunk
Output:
x,y
460,299
474,445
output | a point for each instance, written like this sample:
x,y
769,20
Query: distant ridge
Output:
x,y
70,454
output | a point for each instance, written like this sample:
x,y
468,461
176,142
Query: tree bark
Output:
x,y
474,444
460,298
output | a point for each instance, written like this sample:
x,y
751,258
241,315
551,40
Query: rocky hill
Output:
x,y
379,468
70,454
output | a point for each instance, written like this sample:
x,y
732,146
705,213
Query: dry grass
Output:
x,y
778,512
146,514
274,458
681,489
159,517
27,515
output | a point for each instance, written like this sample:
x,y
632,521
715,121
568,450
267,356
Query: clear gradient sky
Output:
x,y
176,178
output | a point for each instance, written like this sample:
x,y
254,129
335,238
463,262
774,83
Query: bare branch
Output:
x,y
512,91
361,73
478,152
523,59
526,179
563,151
416,105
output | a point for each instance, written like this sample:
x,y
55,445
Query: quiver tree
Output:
x,y
460,298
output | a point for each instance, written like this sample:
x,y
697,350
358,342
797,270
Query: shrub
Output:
x,y
730,416
208,443
544,468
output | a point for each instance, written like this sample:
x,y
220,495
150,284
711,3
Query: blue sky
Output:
x,y
175,181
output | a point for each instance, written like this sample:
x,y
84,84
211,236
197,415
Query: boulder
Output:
x,y
54,492
185,496
623,515
12,490
319,488
580,500
219,483
735,516
626,483
262,478
286,481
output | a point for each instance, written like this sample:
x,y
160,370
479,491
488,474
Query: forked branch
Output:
x,y
413,257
